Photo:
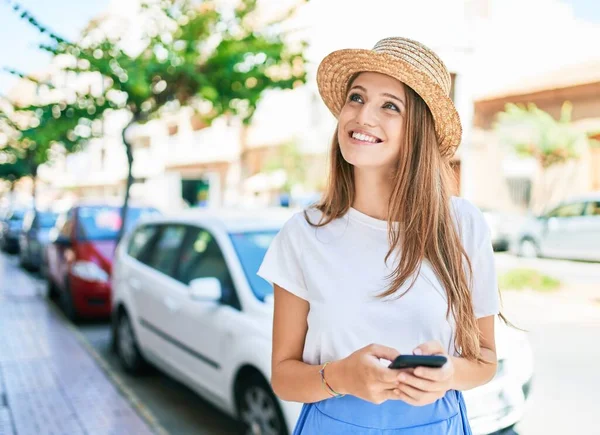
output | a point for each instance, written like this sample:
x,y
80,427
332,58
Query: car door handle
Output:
x,y
135,284
171,304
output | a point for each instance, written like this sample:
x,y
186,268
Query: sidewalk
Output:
x,y
49,383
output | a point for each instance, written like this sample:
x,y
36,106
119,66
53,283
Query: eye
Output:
x,y
391,106
355,97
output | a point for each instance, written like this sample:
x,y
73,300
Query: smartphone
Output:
x,y
411,361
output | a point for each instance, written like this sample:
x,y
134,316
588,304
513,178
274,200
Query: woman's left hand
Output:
x,y
424,385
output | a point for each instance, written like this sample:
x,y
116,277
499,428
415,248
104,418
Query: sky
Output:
x,y
18,40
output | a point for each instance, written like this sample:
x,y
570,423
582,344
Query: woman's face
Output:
x,y
371,123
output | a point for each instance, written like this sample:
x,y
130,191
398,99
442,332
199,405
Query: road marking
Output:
x,y
129,395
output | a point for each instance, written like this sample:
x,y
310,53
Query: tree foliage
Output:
x,y
532,132
215,58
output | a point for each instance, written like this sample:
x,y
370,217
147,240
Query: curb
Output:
x,y
125,391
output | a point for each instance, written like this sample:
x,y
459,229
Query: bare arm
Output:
x,y
359,374
291,378
471,374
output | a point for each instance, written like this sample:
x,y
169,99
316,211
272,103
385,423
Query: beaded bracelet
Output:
x,y
326,386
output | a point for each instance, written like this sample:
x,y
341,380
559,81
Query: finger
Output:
x,y
429,348
412,392
431,374
384,352
421,384
390,394
390,376
425,400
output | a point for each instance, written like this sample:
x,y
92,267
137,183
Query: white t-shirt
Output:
x,y
339,269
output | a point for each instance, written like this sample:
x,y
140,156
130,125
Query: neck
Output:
x,y
373,189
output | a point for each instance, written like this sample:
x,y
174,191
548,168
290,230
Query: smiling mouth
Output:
x,y
362,137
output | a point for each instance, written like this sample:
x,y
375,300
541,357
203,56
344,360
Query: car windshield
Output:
x,y
47,220
104,222
251,248
17,215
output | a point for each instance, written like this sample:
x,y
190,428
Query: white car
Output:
x,y
187,299
569,230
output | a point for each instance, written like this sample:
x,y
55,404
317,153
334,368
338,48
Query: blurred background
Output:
x,y
118,113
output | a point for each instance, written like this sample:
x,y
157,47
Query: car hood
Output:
x,y
101,252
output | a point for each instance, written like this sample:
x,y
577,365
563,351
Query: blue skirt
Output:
x,y
351,415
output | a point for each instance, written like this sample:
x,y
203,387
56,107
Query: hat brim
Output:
x,y
338,68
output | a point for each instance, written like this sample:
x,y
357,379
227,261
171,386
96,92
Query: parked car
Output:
x,y
10,229
503,227
569,230
186,298
80,253
34,237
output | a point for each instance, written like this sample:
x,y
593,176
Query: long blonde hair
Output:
x,y
420,205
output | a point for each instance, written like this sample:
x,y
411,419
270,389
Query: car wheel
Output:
x,y
528,249
126,345
22,261
258,409
51,290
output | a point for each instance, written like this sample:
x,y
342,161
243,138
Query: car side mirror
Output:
x,y
205,289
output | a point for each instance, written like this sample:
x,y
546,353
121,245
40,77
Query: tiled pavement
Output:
x,y
49,383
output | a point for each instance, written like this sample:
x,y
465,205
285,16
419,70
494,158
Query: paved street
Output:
x,y
49,383
563,329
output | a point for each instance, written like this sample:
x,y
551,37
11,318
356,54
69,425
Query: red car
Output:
x,y
80,254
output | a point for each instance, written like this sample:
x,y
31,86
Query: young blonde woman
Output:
x,y
387,263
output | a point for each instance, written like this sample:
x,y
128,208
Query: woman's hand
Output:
x,y
361,374
425,385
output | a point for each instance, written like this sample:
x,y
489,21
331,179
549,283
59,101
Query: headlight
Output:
x,y
89,271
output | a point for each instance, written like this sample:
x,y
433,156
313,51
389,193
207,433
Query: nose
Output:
x,y
366,115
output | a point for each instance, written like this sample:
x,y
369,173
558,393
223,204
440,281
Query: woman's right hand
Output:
x,y
361,374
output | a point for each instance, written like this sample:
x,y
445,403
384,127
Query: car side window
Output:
x,y
140,240
67,227
201,257
166,249
592,208
569,210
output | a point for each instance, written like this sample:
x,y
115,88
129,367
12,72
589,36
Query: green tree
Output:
x,y
531,132
32,131
217,60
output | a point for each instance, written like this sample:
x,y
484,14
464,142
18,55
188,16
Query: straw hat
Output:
x,y
406,60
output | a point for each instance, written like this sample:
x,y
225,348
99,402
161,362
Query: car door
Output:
x,y
561,235
156,295
60,251
25,236
206,328
130,270
590,231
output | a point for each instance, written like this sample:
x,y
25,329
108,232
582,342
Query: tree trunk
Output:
x,y
129,153
34,169
11,202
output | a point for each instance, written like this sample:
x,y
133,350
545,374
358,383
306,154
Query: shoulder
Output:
x,y
298,223
470,220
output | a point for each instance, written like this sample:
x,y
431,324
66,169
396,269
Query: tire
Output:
x,y
258,409
528,249
22,261
51,290
127,347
